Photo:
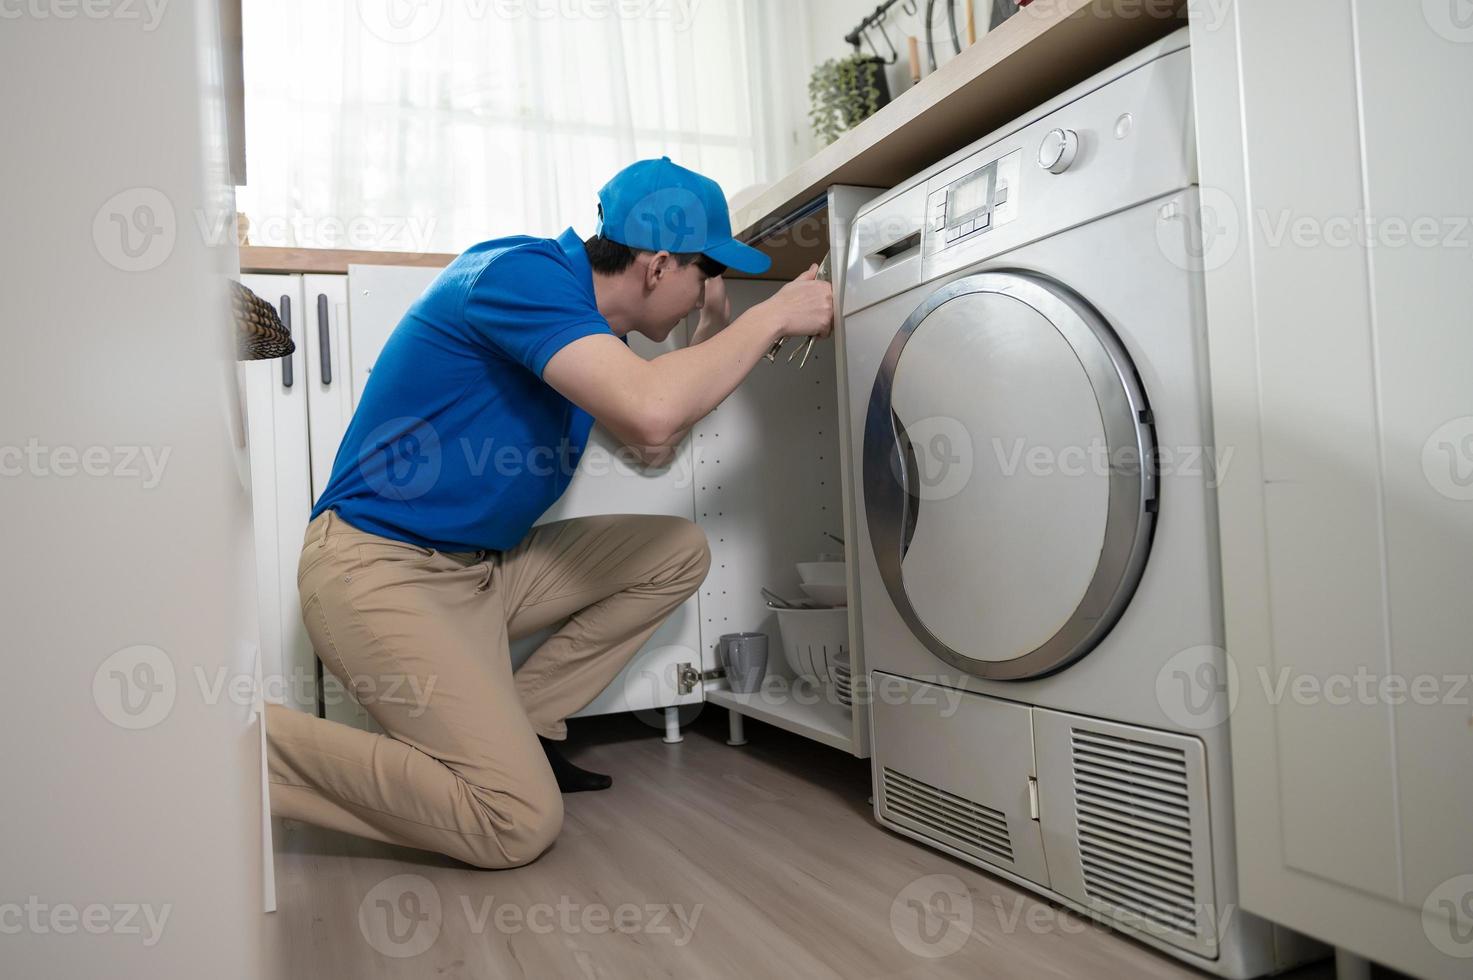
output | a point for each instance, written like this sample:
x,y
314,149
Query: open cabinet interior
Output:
x,y
774,469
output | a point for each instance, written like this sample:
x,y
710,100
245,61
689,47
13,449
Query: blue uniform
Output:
x,y
457,443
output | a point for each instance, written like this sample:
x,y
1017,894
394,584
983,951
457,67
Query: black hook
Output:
x,y
894,55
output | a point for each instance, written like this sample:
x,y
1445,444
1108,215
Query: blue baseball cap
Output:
x,y
656,205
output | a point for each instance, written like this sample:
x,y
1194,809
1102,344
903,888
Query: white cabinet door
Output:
x,y
329,370
330,404
281,495
1336,248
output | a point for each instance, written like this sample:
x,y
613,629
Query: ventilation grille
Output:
x,y
970,826
1133,818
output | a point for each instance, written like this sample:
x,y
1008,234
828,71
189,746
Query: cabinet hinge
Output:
x,y
1033,797
687,677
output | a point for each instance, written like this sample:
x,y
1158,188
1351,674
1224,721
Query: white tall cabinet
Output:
x,y
1335,143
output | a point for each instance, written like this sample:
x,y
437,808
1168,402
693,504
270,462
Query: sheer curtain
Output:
x,y
433,124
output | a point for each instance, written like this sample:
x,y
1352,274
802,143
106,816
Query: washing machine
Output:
x,y
1032,456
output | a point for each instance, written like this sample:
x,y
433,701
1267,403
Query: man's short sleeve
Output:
x,y
528,304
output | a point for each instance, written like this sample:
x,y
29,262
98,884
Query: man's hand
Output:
x,y
715,311
805,306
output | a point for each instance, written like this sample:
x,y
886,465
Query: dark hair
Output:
x,y
611,258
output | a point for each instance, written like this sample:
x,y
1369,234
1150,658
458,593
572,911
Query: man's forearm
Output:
x,y
691,381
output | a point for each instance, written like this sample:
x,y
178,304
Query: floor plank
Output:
x,y
702,861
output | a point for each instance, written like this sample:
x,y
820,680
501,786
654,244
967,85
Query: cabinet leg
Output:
x,y
672,725
1348,966
735,730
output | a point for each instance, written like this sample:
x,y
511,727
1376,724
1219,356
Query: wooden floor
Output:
x,y
702,861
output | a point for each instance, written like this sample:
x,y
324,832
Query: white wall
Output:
x,y
827,21
131,802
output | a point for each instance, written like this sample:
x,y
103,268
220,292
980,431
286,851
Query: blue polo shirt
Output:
x,y
457,443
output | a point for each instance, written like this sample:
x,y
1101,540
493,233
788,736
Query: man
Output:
x,y
421,560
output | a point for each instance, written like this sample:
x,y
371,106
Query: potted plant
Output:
x,y
844,91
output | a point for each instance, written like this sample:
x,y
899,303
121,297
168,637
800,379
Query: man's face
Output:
x,y
672,293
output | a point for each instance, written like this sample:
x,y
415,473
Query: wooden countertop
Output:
x,y
269,258
1034,55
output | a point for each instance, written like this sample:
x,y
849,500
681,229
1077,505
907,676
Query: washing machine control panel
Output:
x,y
974,203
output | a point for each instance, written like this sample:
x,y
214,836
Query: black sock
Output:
x,y
571,779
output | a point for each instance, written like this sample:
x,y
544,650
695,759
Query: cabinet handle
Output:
x,y
324,339
286,322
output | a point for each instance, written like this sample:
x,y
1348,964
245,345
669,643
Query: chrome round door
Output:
x,y
1009,475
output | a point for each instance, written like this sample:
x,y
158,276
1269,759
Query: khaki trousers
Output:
x,y
421,638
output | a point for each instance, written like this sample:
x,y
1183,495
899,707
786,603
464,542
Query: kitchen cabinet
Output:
x,y
1337,299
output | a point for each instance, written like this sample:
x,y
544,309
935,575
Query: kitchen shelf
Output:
x,y
1029,58
823,721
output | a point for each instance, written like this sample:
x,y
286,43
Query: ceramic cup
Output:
x,y
744,655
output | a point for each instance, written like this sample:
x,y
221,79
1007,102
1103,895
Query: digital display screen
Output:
x,y
971,193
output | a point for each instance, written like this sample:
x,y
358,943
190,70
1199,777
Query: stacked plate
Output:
x,y
842,680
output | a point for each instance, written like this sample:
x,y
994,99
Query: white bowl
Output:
x,y
812,639
821,572
828,595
